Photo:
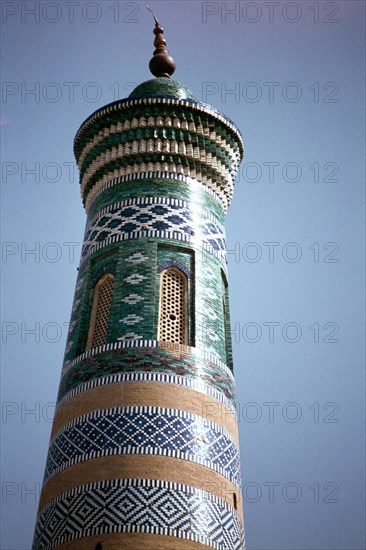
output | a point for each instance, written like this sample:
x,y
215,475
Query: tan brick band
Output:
x,y
132,541
142,467
147,394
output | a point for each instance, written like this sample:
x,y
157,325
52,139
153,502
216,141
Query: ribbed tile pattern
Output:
x,y
195,142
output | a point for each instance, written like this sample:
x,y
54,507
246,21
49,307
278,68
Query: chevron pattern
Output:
x,y
143,506
144,430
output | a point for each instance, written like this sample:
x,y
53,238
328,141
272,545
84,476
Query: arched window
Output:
x,y
173,326
99,319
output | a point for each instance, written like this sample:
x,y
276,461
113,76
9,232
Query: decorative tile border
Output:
x,y
146,356
154,217
192,352
166,202
110,363
139,506
144,430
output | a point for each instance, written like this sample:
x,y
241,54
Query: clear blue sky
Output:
x,y
291,76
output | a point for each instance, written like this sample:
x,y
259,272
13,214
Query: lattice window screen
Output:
x,y
226,320
224,310
101,310
173,307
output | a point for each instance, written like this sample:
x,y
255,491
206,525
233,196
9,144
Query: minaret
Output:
x,y
144,450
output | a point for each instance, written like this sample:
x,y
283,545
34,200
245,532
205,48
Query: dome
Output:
x,y
161,86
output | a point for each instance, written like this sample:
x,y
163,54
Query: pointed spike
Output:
x,y
153,14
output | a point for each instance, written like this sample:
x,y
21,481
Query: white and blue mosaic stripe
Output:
x,y
144,201
145,430
155,217
139,506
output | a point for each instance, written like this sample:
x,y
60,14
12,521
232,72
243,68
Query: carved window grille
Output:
x,y
225,319
99,320
173,326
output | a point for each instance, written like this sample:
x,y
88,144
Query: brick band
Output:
x,y
142,467
146,394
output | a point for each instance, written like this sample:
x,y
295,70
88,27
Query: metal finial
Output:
x,y
153,14
161,64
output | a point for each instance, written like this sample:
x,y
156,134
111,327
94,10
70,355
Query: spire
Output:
x,y
161,64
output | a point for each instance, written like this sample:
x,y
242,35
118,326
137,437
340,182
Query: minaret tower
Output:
x,y
144,450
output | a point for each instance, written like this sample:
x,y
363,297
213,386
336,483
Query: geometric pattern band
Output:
x,y
162,200
156,216
194,352
144,430
88,367
139,506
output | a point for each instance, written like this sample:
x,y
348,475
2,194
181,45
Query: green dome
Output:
x,y
161,86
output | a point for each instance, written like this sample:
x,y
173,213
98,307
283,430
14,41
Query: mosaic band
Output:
x,y
154,217
144,430
146,360
165,346
174,510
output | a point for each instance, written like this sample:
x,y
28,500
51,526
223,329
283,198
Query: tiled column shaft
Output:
x,y
144,449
